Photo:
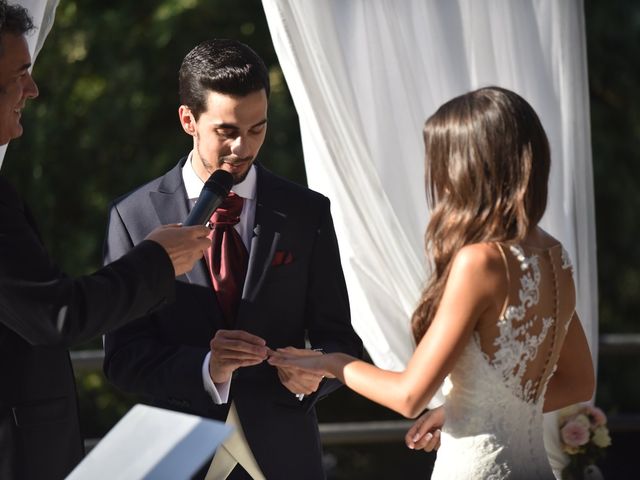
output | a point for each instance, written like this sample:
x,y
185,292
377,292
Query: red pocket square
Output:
x,y
281,258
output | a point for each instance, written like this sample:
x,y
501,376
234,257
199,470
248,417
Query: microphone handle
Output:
x,y
203,209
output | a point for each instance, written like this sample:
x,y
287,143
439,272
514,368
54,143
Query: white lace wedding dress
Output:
x,y
493,405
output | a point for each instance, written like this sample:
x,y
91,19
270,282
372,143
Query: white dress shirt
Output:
x,y
247,190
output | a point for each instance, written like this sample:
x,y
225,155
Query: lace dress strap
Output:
x,y
506,269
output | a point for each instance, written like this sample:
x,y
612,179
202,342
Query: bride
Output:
x,y
497,317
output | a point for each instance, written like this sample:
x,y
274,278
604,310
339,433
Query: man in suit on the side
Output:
x,y
42,311
205,354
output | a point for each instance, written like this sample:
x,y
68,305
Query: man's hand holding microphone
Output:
x,y
186,244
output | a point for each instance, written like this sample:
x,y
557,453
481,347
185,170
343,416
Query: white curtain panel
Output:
x,y
364,76
43,14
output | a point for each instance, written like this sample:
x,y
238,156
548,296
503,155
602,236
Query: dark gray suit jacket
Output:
x,y
42,312
161,355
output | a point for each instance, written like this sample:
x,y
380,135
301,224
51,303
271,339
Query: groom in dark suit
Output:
x,y
283,288
43,311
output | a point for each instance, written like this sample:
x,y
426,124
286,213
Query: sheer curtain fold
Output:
x,y
43,14
365,74
334,129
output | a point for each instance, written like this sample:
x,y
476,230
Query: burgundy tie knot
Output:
x,y
227,257
228,213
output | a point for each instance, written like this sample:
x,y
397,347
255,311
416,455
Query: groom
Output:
x,y
205,354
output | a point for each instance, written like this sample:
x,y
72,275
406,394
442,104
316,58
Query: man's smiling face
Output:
x,y
16,84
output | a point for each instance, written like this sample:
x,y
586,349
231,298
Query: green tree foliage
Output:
x,y
106,120
613,39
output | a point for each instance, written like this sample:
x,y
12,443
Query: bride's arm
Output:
x,y
574,379
470,292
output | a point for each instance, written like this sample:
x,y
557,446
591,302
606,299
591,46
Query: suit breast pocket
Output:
x,y
41,412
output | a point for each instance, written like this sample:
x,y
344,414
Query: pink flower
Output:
x,y
574,434
598,416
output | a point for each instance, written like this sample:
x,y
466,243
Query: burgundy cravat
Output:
x,y
227,257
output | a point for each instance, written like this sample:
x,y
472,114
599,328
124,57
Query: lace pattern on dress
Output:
x,y
516,345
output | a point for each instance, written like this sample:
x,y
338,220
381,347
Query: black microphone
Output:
x,y
213,193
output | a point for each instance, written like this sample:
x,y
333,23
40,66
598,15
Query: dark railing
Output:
x,y
394,430
619,343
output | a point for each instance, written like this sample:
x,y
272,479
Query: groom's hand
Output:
x,y
424,434
297,380
232,349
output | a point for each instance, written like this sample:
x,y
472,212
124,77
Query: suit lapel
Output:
x,y
263,246
171,205
269,223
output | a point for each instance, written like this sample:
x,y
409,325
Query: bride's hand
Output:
x,y
424,434
311,361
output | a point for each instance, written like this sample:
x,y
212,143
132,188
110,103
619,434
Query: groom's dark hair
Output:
x,y
220,65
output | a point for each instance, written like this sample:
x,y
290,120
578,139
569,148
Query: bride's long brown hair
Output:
x,y
486,169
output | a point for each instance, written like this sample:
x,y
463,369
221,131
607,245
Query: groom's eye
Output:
x,y
226,132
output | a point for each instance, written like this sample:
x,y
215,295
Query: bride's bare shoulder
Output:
x,y
481,265
479,257
479,273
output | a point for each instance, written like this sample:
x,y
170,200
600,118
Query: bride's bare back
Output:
x,y
525,342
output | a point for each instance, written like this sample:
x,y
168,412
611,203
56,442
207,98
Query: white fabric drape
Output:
x,y
43,14
364,76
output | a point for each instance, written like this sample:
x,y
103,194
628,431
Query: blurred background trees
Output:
x,y
613,35
106,122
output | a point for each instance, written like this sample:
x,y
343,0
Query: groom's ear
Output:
x,y
187,120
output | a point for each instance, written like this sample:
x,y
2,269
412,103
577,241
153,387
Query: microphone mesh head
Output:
x,y
220,182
